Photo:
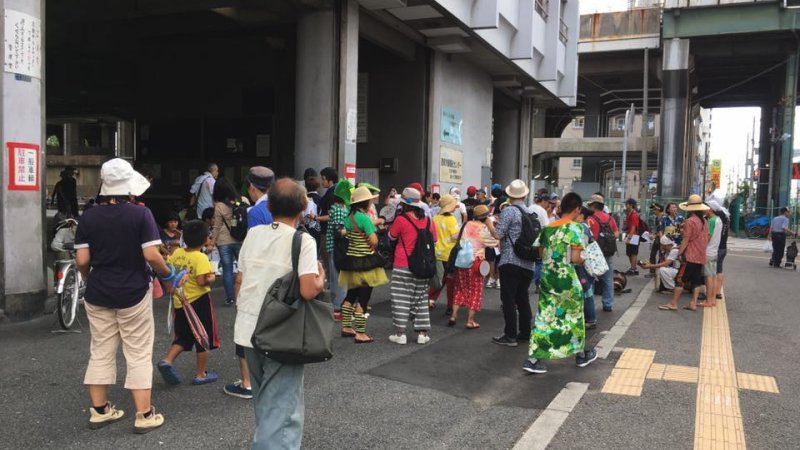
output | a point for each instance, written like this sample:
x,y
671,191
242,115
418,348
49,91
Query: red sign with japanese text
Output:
x,y
350,172
23,166
796,171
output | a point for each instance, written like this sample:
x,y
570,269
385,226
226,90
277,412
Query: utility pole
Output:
x,y
772,139
629,114
643,177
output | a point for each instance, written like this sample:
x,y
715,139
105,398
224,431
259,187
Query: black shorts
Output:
x,y
631,250
183,332
721,258
693,275
490,255
239,351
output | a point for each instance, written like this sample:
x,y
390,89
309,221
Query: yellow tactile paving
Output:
x,y
656,371
718,418
754,382
683,374
627,377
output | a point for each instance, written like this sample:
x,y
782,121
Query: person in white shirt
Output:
x,y
203,188
712,250
461,209
668,267
266,256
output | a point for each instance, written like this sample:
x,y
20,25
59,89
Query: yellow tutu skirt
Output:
x,y
372,278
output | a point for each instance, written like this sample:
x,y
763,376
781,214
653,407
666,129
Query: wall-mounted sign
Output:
x,y
350,172
23,44
23,166
796,171
450,125
351,126
716,172
451,165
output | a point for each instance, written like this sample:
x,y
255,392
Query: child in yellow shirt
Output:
x,y
196,290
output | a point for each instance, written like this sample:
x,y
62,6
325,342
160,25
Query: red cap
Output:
x,y
417,186
472,190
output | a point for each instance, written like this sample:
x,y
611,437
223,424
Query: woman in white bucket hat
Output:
x,y
119,241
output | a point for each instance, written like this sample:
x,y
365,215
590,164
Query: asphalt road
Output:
x,y
459,391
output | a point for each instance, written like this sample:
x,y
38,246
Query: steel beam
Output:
x,y
763,17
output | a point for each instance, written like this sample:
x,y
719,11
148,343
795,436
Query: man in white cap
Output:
x,y
669,266
516,273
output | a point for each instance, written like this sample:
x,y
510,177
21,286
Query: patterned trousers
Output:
x,y
409,296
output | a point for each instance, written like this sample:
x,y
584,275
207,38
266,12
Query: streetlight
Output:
x,y
629,115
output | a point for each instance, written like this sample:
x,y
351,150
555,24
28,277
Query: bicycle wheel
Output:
x,y
68,299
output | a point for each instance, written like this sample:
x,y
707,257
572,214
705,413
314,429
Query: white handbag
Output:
x,y
594,261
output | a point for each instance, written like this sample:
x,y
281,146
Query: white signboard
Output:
x,y
351,129
23,44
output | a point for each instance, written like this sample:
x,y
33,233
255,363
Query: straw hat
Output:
x,y
596,198
480,212
447,203
412,197
517,189
361,194
119,179
695,203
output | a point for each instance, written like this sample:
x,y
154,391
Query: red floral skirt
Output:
x,y
468,288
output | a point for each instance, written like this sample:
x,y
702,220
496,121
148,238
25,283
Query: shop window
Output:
x,y
577,163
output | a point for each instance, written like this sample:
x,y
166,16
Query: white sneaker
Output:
x,y
423,339
489,283
497,284
398,339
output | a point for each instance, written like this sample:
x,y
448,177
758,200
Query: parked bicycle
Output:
x,y
69,284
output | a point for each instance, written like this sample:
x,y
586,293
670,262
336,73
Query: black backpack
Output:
x,y
238,226
531,227
605,238
422,259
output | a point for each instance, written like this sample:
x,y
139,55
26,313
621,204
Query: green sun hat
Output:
x,y
343,190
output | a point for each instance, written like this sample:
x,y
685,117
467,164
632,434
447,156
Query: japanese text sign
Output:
x,y
23,166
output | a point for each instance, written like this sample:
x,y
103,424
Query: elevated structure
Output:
x,y
693,54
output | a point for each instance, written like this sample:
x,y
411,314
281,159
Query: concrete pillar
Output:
x,y
783,165
22,272
593,115
764,146
505,151
348,87
315,92
673,120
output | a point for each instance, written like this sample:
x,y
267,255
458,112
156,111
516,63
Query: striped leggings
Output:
x,y
409,296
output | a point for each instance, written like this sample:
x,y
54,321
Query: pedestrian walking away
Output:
x,y
559,329
265,257
408,289
117,240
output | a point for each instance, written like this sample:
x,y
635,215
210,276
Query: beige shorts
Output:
x,y
710,267
134,327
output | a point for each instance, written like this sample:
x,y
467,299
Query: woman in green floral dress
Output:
x,y
559,329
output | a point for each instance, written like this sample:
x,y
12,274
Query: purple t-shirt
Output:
x,y
115,236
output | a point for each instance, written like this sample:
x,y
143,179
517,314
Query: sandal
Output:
x,y
473,325
689,308
666,308
364,341
451,322
348,334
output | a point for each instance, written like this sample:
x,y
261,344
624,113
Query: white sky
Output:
x,y
730,128
595,6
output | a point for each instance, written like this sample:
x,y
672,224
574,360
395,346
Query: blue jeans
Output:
x,y
607,281
589,314
537,272
228,253
333,284
278,402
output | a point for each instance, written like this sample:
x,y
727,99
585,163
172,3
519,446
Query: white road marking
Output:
x,y
545,427
609,341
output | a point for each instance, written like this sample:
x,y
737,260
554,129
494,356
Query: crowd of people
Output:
x,y
420,243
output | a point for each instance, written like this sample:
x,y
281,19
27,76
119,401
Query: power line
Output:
x,y
746,80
